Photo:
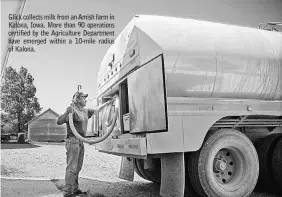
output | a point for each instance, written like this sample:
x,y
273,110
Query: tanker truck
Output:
x,y
197,106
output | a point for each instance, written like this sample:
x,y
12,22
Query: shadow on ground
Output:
x,y
17,146
97,188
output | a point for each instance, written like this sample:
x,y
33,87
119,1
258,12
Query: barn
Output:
x,y
44,128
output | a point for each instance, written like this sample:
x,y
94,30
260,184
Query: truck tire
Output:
x,y
277,165
136,169
154,175
189,190
226,165
265,148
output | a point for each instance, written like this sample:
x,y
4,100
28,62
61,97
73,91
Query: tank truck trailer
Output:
x,y
194,106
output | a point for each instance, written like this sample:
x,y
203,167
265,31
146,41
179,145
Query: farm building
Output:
x,y
44,128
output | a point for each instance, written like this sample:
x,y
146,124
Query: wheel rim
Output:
x,y
229,167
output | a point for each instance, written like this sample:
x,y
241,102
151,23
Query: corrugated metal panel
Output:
x,y
45,128
49,138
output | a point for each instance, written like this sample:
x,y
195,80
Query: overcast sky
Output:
x,y
58,69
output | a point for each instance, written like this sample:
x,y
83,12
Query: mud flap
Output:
x,y
173,175
126,169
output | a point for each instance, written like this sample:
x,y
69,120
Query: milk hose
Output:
x,y
109,125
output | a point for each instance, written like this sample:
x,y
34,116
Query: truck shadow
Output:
x,y
17,146
97,188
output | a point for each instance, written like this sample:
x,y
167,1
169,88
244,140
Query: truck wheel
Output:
x,y
151,175
136,169
226,165
189,190
277,165
265,148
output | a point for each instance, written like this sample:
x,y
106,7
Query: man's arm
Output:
x,y
95,110
65,117
91,112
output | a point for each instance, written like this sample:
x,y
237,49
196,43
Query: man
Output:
x,y
75,147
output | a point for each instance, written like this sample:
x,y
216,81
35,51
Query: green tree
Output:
x,y
18,101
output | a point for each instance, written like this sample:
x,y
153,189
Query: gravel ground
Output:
x,y
42,160
48,161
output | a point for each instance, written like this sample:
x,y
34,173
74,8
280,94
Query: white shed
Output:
x,y
44,127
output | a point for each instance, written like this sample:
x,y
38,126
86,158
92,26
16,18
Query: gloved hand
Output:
x,y
69,109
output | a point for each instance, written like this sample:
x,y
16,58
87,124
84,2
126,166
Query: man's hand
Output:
x,y
106,103
98,108
65,117
69,110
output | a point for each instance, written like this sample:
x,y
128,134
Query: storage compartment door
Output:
x,y
147,98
